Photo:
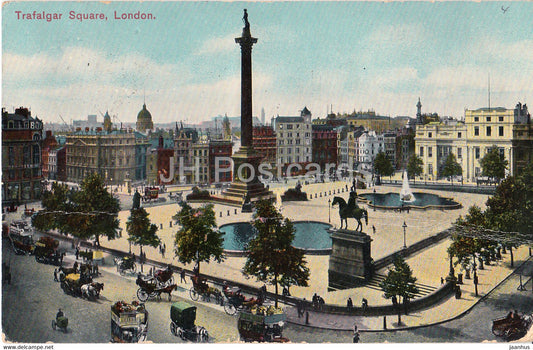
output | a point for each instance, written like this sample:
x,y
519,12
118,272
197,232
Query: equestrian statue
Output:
x,y
351,210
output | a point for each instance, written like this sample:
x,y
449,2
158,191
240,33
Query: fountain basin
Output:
x,y
392,201
311,236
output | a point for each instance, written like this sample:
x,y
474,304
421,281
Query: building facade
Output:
x,y
219,153
370,144
184,138
294,140
324,145
117,155
264,143
507,129
49,144
21,156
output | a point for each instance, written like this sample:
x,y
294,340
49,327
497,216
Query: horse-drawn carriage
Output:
x,y
177,196
262,324
511,327
150,194
125,264
21,237
201,288
236,301
81,285
182,323
45,251
151,287
129,322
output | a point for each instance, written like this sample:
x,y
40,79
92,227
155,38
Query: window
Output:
x,y
280,134
430,151
476,119
430,134
500,119
488,119
500,130
289,126
476,130
489,131
459,153
459,135
502,155
11,152
421,151
430,169
476,152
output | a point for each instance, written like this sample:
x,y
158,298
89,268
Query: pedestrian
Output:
x,y
163,251
55,275
349,304
394,300
364,304
77,252
321,303
374,229
75,267
441,280
182,276
96,270
315,301
59,314
299,308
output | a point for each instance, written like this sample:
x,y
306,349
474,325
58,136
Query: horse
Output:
x,y
346,212
91,290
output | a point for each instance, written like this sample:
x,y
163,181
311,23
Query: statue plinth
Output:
x,y
350,263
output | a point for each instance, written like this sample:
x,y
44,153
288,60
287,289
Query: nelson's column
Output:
x,y
246,184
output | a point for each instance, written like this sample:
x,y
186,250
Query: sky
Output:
x,y
343,56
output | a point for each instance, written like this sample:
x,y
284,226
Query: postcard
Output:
x,y
266,172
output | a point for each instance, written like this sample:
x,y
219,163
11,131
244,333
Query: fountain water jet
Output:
x,y
406,195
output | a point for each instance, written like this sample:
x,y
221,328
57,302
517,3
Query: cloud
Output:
x,y
397,35
218,45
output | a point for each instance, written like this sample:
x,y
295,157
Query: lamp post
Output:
x,y
375,200
329,210
404,227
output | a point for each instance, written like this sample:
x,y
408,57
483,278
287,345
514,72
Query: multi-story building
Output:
x,y
389,140
294,140
158,161
200,161
371,121
482,129
264,143
220,152
21,156
116,155
49,144
370,144
435,140
324,146
405,146
353,145
57,163
184,138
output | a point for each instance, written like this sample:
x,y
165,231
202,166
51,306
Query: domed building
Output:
x,y
144,120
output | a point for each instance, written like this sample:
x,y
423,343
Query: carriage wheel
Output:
x,y
230,309
133,268
54,324
142,337
194,294
172,328
180,333
121,270
203,336
142,295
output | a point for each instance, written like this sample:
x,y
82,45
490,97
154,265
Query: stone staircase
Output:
x,y
423,289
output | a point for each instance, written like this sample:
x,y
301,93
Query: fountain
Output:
x,y
405,193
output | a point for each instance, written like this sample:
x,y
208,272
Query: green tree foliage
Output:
x,y
55,204
198,239
96,210
451,167
414,166
271,257
511,207
493,165
399,283
382,165
141,232
86,213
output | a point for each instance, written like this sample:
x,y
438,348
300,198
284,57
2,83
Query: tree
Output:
x,y
271,258
198,239
382,165
467,248
414,166
511,207
86,213
141,231
451,167
95,210
55,205
493,165
399,282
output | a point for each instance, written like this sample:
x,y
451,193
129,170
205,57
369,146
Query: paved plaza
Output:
x,y
428,265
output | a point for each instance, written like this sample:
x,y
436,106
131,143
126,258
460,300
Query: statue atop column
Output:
x,y
245,20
